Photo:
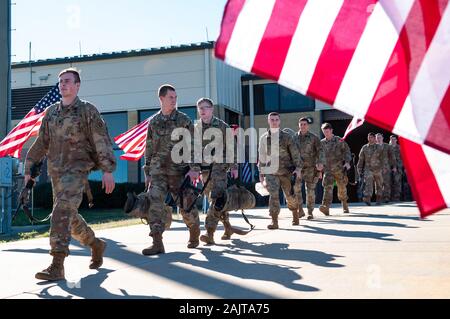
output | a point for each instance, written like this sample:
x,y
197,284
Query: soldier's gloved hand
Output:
x,y
108,182
148,181
193,175
347,166
394,170
298,173
234,173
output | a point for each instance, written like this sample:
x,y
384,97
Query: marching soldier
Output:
x,y
371,161
336,152
75,140
396,191
313,160
277,166
217,176
388,166
164,174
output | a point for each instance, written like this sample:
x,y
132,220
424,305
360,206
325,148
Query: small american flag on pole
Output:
x,y
133,141
29,126
355,123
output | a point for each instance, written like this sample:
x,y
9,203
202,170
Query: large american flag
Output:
x,y
133,141
385,61
29,126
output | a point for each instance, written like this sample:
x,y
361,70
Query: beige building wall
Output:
x,y
288,120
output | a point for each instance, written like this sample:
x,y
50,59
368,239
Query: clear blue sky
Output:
x,y
56,27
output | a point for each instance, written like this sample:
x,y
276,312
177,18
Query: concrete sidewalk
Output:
x,y
375,252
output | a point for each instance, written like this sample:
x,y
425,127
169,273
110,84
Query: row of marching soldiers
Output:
x,y
304,158
74,138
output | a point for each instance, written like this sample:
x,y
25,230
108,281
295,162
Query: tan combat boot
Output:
x,y
55,271
97,250
345,207
228,230
274,224
310,213
295,218
194,234
208,239
325,210
301,212
156,248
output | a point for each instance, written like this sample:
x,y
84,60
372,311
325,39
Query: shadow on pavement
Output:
x,y
363,223
344,233
281,251
170,266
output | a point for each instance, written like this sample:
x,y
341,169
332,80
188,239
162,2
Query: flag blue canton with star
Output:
x,y
50,98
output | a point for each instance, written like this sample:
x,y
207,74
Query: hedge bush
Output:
x,y
43,197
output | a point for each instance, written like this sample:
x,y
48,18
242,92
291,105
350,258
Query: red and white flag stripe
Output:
x,y
383,61
355,123
133,141
27,128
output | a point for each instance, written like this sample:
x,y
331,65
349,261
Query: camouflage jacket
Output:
x,y
370,158
209,141
310,149
336,153
289,155
74,138
397,156
388,156
158,152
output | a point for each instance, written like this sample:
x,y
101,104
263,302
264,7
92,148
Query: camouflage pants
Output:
x,y
66,222
328,183
161,185
387,180
215,189
273,186
371,178
396,188
309,176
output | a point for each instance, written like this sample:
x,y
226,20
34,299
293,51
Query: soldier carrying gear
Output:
x,y
214,144
396,191
163,173
371,161
389,166
75,140
336,152
24,197
313,160
278,147
138,206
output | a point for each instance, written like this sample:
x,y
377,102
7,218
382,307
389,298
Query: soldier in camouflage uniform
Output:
x,y
217,184
75,139
396,191
289,164
388,166
313,160
337,158
164,174
371,161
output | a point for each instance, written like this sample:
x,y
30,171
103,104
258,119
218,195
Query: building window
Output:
x,y
272,97
117,123
246,99
292,101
